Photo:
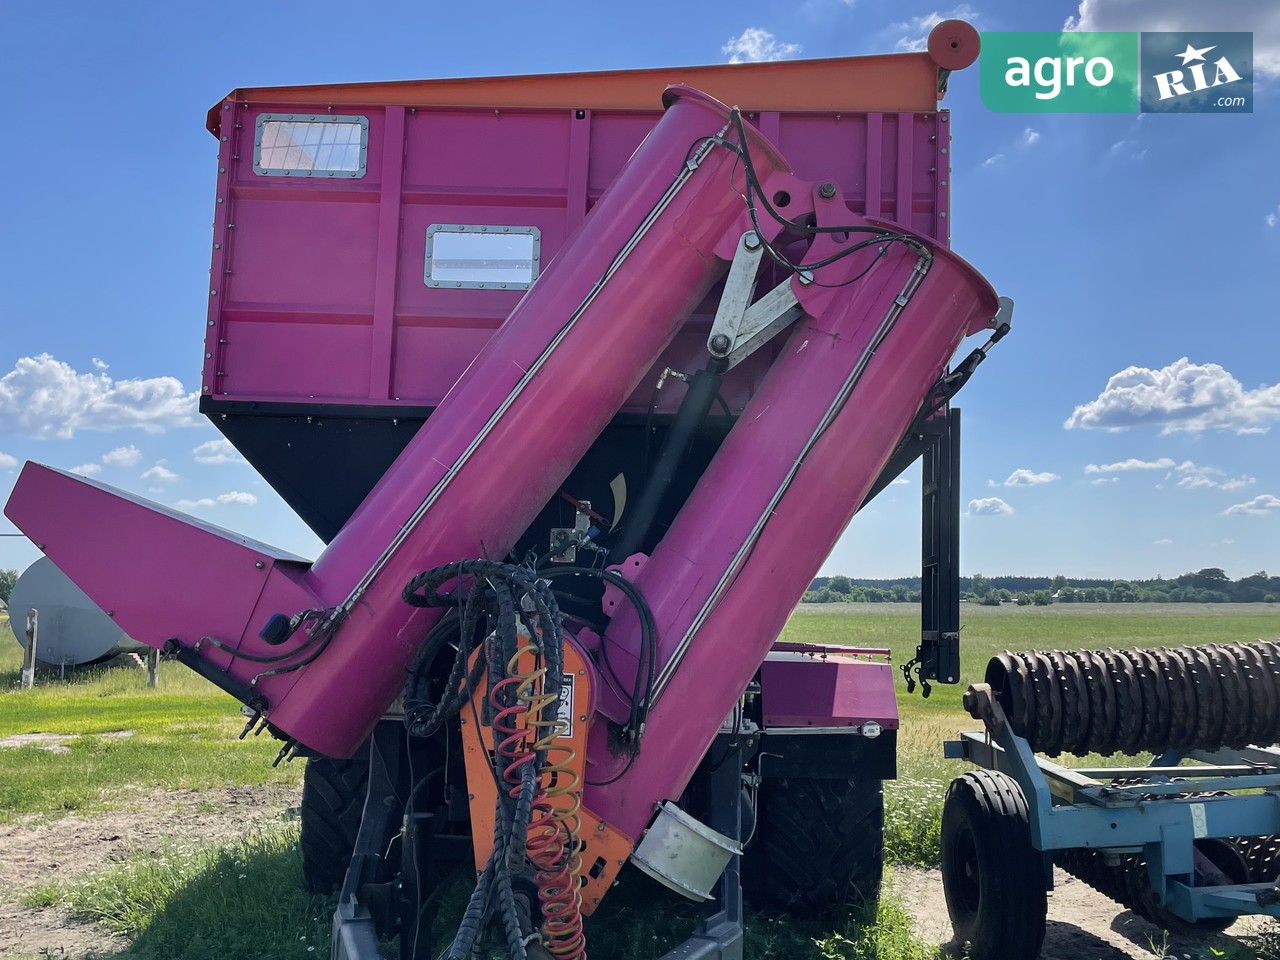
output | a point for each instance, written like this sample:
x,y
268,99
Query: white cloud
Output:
x,y
1183,396
1163,542
236,497
122,456
1259,17
755,44
1097,481
99,364
1193,475
1133,463
159,472
993,160
1197,477
915,32
45,397
1271,218
900,481
1030,137
87,469
1259,506
7,462
1126,149
217,451
1024,478
989,507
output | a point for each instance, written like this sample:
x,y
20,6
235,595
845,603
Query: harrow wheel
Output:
x,y
993,878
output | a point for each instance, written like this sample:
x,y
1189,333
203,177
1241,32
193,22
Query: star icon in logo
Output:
x,y
1191,53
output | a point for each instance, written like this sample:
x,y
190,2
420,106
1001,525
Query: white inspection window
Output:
x,y
301,145
482,256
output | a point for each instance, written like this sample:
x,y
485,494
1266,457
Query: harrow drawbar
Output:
x,y
1126,878
1143,700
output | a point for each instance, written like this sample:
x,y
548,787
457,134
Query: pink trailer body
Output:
x,y
330,269
338,265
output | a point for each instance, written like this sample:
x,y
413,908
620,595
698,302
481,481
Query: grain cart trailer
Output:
x,y
580,378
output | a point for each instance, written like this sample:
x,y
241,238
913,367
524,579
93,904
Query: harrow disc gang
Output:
x,y
1131,701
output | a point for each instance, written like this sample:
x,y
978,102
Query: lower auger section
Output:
x,y
1141,701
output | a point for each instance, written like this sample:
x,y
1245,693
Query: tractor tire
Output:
x,y
992,876
333,793
819,846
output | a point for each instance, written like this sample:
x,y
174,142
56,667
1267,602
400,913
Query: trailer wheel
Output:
x,y
992,876
819,846
333,793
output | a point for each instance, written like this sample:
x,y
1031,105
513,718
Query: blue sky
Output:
x,y
1127,428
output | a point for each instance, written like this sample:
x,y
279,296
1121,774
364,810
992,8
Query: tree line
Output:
x,y
1210,585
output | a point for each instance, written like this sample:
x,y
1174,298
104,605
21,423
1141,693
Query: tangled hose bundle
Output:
x,y
510,614
1151,700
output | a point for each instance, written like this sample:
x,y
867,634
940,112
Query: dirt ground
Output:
x,y
33,853
1083,925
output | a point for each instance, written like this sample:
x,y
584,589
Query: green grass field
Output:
x,y
185,736
182,736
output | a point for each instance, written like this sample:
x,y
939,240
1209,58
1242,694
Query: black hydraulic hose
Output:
x,y
704,387
646,663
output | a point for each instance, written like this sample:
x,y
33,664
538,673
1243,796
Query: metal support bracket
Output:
x,y
720,934
354,934
742,327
